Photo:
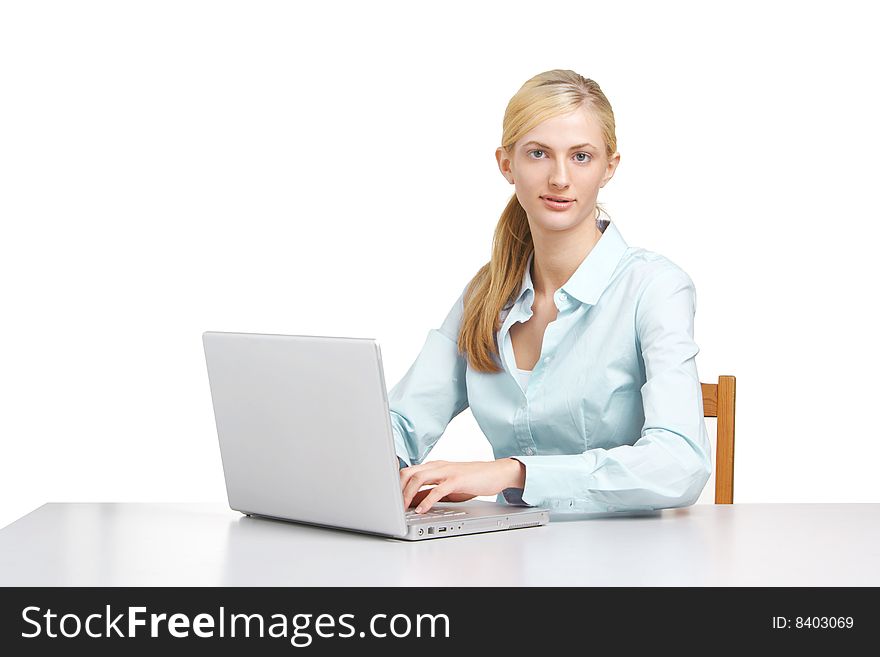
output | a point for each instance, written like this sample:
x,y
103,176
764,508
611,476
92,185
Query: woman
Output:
x,y
574,351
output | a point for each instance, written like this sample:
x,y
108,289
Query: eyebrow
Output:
x,y
545,147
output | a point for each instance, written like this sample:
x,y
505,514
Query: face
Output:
x,y
552,160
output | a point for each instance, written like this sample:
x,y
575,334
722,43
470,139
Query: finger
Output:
x,y
419,479
433,496
417,485
418,497
458,497
405,475
451,497
409,471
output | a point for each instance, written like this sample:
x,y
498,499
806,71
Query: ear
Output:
x,y
504,163
613,161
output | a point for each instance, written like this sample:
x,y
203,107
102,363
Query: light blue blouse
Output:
x,y
523,376
612,416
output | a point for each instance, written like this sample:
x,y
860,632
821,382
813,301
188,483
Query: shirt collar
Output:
x,y
592,276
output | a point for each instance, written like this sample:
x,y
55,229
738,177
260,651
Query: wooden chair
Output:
x,y
719,400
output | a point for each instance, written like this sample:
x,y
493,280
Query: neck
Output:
x,y
558,254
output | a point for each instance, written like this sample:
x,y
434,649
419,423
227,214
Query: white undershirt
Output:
x,y
523,376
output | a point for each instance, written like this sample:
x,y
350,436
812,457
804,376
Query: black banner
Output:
x,y
397,620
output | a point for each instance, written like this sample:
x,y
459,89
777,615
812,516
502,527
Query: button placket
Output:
x,y
505,343
522,431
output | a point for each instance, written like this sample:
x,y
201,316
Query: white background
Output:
x,y
168,168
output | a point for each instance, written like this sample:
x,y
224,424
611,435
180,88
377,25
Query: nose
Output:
x,y
559,177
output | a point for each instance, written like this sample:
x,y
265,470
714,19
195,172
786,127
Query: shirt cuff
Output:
x,y
513,496
402,463
560,482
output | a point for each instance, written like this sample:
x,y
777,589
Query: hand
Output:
x,y
457,481
452,497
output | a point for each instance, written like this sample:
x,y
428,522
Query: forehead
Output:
x,y
562,132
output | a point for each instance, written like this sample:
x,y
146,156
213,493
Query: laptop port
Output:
x,y
430,530
441,530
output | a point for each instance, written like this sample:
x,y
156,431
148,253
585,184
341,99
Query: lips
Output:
x,y
557,198
557,206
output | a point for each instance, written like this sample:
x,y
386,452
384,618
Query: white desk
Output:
x,y
210,545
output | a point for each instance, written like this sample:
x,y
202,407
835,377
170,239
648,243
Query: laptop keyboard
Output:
x,y
434,513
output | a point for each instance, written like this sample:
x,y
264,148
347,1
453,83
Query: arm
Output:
x,y
668,466
431,393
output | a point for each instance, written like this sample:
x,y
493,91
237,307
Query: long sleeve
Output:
x,y
431,393
668,466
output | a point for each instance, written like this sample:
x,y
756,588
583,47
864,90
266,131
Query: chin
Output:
x,y
557,225
556,221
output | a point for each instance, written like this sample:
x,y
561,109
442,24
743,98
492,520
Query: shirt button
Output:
x,y
563,296
547,359
529,451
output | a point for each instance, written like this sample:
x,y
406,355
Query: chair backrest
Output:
x,y
719,400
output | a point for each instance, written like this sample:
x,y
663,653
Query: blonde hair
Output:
x,y
497,284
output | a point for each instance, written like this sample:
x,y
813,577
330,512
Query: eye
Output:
x,y
588,156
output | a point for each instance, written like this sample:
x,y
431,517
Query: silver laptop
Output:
x,y
305,435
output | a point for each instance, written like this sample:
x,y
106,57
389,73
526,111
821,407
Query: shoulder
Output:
x,y
657,287
647,271
663,295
